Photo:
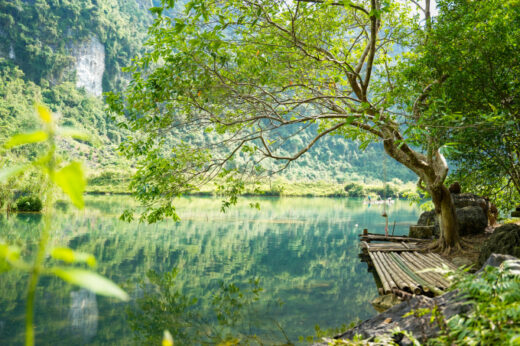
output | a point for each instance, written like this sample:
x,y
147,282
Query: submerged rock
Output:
x,y
385,302
504,240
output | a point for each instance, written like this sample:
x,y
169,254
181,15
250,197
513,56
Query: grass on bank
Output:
x,y
117,182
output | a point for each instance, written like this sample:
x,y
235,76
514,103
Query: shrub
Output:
x,y
355,190
495,317
29,203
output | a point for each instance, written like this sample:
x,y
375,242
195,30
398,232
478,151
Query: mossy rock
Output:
x,y
504,240
29,204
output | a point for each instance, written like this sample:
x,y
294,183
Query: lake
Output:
x,y
303,252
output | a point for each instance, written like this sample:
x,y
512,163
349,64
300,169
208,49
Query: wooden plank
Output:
x,y
390,238
393,247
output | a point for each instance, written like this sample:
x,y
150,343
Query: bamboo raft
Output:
x,y
403,270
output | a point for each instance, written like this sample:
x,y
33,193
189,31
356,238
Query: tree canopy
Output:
x,y
249,76
470,67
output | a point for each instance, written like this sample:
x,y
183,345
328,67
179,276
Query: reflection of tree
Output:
x,y
304,250
230,316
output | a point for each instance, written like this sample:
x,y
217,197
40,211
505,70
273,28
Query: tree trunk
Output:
x,y
432,170
445,213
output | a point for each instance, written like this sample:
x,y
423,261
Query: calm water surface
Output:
x,y
303,250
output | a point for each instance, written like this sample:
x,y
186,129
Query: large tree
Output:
x,y
258,71
470,65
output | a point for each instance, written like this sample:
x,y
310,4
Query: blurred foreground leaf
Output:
x,y
44,113
72,181
92,281
6,173
70,256
26,138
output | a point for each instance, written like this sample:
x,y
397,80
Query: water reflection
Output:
x,y
83,314
304,250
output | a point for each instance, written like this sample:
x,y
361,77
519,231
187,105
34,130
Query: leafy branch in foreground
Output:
x,y
70,179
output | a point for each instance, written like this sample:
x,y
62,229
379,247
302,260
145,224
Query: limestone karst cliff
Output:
x,y
89,65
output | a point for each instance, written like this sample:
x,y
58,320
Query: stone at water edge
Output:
x,y
449,304
385,302
462,261
504,240
428,218
421,232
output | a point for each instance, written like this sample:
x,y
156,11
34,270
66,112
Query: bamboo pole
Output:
x,y
417,285
387,273
391,281
426,263
394,238
416,268
429,281
385,280
419,265
429,264
432,261
402,280
388,285
448,263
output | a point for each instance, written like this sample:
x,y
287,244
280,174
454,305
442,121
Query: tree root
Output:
x,y
463,247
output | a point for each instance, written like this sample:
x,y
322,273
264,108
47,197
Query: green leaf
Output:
x,y
92,281
44,113
70,256
6,173
26,138
8,254
74,133
72,181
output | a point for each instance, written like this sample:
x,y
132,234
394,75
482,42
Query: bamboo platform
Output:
x,y
403,270
410,271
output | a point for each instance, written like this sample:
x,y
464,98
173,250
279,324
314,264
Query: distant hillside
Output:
x,y
67,53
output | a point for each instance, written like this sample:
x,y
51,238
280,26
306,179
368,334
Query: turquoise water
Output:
x,y
304,252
